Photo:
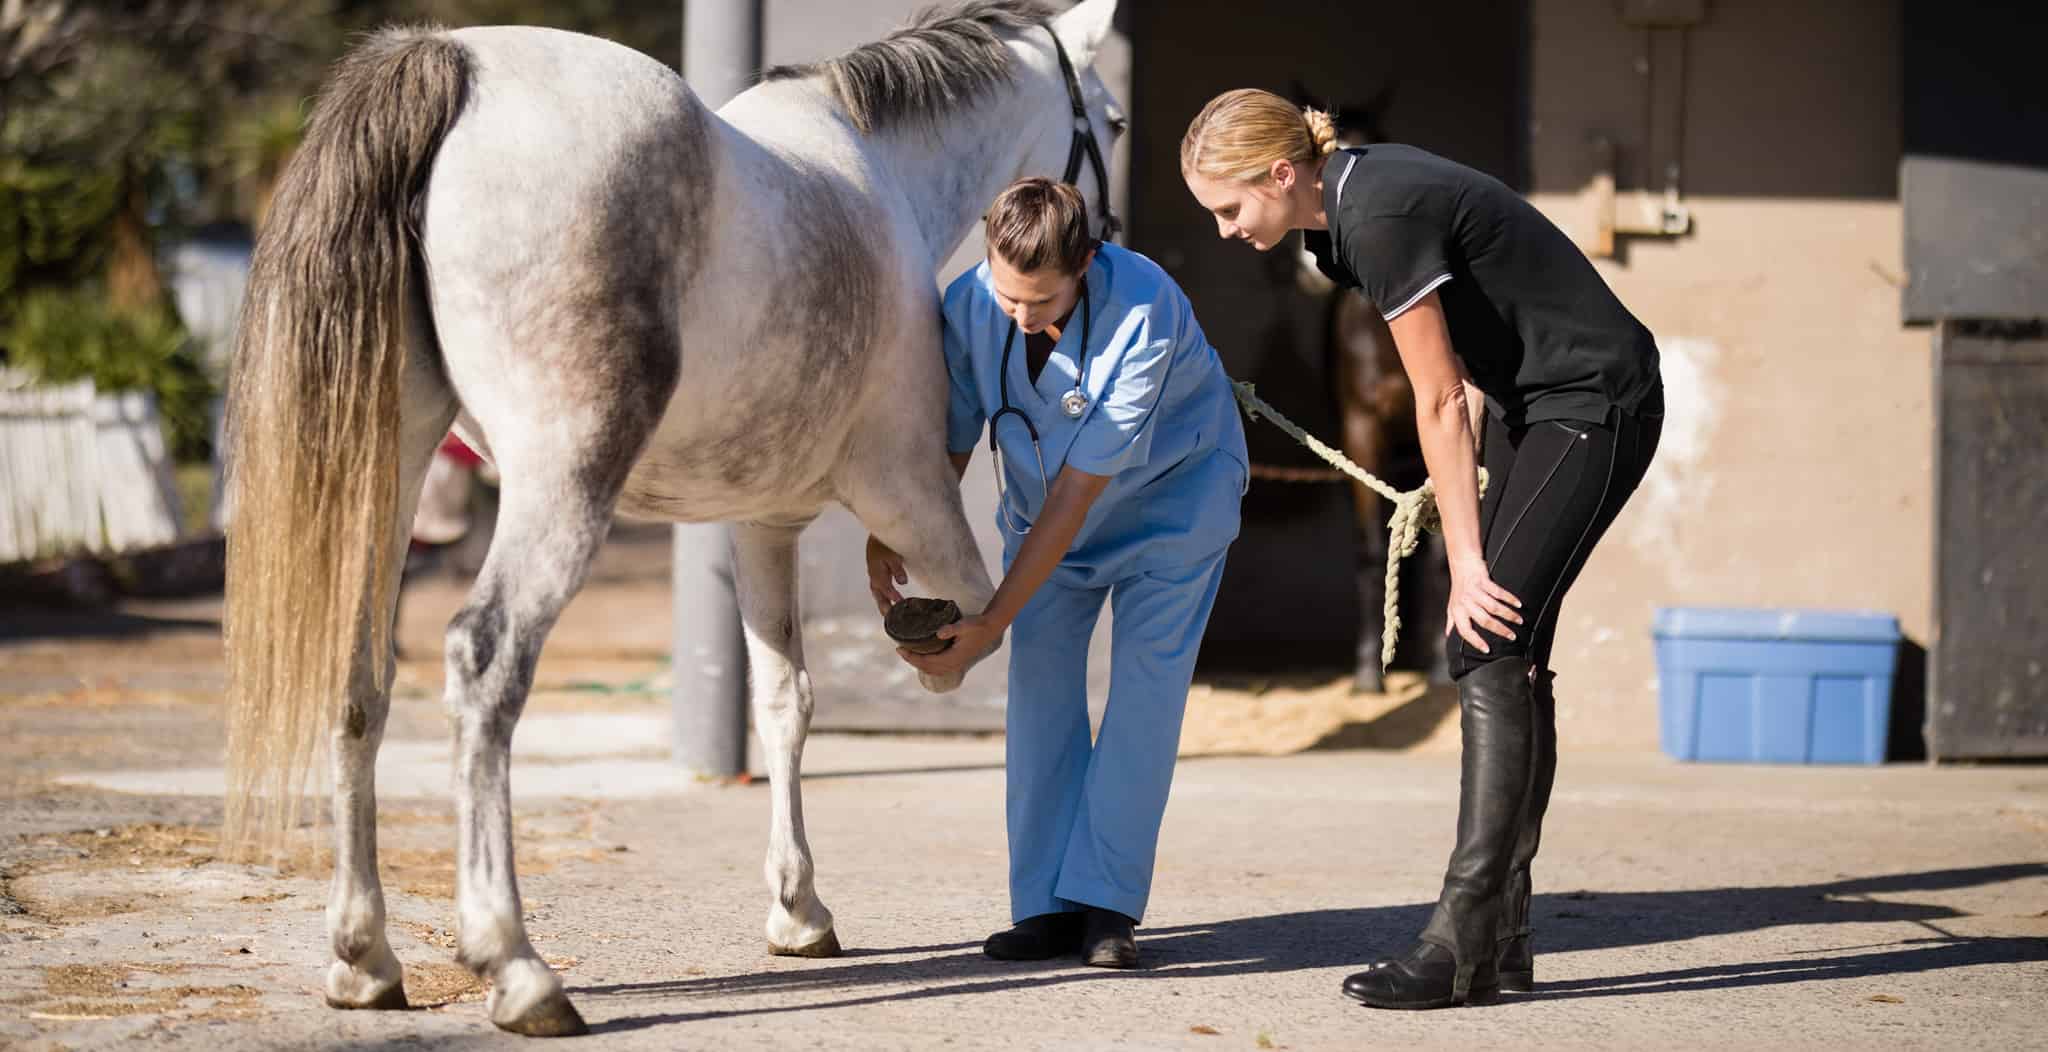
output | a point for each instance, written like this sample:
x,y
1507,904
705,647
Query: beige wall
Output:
x,y
1797,460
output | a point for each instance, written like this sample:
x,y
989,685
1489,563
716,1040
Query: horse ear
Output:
x,y
1083,28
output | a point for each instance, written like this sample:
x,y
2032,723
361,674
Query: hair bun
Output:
x,y
1322,131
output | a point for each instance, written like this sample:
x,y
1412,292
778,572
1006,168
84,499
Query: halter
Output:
x,y
1084,144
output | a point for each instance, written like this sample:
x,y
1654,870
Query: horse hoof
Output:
x,y
824,947
376,984
390,999
1368,683
552,1016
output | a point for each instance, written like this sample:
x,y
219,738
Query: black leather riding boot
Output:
x,y
1517,961
1455,963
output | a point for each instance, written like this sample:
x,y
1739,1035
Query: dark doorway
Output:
x,y
1449,77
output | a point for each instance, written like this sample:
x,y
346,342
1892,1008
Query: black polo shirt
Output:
x,y
1539,331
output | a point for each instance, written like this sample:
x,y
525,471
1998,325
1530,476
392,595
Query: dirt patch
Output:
x,y
1277,717
104,991
434,985
97,980
437,983
431,934
150,845
425,872
109,695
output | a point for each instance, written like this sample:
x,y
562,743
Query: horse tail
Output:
x,y
314,418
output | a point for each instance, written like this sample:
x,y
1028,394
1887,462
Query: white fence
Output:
x,y
81,471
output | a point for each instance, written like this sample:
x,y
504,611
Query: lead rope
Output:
x,y
1414,511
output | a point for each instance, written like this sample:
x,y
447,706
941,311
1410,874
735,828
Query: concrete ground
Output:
x,y
1679,906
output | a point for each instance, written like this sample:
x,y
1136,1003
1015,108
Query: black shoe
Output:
x,y
1108,941
1425,978
1039,938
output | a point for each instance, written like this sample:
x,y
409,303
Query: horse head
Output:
x,y
1083,123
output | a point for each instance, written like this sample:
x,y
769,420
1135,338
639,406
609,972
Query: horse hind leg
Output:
x,y
553,518
558,496
764,562
365,972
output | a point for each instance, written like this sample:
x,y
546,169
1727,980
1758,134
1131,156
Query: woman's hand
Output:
x,y
973,638
1476,603
885,572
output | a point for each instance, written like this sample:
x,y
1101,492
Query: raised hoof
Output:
x,y
553,1016
937,685
825,947
391,1000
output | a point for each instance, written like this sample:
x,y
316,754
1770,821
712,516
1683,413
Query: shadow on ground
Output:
x,y
21,622
1332,938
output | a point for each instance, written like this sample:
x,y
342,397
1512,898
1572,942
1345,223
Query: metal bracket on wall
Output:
x,y
1644,212
1636,214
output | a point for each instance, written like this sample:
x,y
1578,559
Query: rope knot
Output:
x,y
1414,510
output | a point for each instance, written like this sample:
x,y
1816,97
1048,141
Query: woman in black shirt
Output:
x,y
1490,305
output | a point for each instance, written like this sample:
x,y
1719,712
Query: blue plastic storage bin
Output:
x,y
1775,686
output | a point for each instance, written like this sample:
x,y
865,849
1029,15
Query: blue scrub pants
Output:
x,y
1084,819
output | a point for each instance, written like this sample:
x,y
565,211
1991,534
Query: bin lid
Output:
x,y
1711,622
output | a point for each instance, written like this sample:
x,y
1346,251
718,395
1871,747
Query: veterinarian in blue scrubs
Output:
x,y
1121,463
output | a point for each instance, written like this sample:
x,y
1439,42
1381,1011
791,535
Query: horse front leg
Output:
x,y
1365,442
911,502
764,572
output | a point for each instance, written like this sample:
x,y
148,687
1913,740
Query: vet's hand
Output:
x,y
973,638
885,572
1476,603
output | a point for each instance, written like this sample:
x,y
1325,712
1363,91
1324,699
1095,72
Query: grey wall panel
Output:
x,y
1976,240
1989,695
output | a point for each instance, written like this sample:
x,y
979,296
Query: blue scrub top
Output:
x,y
1161,421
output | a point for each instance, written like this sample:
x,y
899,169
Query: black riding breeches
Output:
x,y
1555,486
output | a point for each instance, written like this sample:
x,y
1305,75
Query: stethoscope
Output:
x,y
1073,404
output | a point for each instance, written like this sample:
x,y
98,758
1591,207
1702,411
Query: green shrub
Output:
x,y
65,335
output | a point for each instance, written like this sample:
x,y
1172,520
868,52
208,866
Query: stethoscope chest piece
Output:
x,y
1074,403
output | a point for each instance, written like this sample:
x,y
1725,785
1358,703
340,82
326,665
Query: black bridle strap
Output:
x,y
1084,143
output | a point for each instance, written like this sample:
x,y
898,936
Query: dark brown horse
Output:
x,y
1377,407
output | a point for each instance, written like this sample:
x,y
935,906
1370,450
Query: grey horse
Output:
x,y
631,304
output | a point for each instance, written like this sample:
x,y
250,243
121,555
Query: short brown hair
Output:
x,y
1036,222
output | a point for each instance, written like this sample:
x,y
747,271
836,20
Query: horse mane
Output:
x,y
944,59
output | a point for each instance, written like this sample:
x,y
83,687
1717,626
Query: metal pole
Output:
x,y
708,702
721,47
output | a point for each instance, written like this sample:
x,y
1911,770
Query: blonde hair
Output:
x,y
1239,135
1036,222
